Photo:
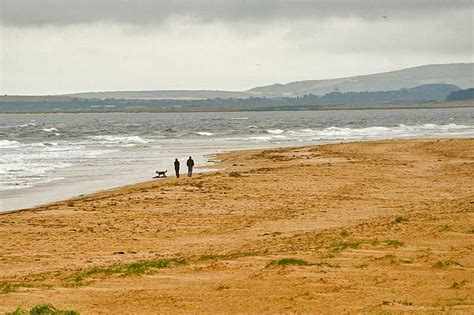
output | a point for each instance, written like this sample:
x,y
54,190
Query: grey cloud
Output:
x,y
31,13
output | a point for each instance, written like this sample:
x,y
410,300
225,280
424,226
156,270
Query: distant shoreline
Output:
x,y
432,105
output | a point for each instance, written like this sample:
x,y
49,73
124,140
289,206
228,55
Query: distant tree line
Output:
x,y
461,95
423,93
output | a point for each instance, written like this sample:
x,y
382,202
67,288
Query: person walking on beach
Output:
x,y
176,167
190,164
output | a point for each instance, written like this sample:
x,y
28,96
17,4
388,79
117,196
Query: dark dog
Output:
x,y
160,174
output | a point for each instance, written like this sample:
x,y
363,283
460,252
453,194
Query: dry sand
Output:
x,y
368,227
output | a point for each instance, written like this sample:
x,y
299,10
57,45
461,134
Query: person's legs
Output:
x,y
190,171
176,170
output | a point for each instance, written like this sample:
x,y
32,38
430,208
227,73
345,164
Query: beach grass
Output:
x,y
444,263
42,309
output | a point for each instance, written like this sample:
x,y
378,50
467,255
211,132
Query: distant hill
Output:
x,y
459,74
461,95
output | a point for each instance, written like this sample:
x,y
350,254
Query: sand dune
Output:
x,y
383,226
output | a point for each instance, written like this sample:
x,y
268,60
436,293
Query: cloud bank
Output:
x,y
28,13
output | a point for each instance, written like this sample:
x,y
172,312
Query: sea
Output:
x,y
50,157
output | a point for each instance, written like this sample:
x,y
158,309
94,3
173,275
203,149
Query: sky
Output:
x,y
66,46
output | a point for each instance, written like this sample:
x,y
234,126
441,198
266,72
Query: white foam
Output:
x,y
110,139
9,144
50,129
27,125
275,131
380,132
204,133
28,164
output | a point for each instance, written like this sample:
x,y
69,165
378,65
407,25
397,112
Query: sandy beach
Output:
x,y
371,227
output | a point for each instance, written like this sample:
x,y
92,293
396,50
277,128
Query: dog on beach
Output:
x,y
160,174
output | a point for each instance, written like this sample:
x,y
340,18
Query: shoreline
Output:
x,y
368,224
388,106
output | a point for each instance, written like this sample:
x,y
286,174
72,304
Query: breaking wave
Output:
x,y
204,133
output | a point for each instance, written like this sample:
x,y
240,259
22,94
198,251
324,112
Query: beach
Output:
x,y
371,227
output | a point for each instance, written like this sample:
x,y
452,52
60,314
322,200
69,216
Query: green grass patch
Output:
x,y
344,233
130,269
42,309
446,263
9,287
400,219
293,262
343,245
394,243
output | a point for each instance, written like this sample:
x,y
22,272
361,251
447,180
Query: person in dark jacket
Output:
x,y
176,167
190,164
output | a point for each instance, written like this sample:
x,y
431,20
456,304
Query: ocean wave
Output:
x,y
204,133
275,131
342,133
50,129
9,144
110,139
26,125
28,164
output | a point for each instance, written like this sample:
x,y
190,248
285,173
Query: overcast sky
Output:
x,y
64,46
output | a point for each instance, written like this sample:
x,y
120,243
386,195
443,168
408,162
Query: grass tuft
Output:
x,y
42,309
7,287
400,219
344,233
342,245
458,285
446,263
234,174
293,262
223,287
394,243
130,269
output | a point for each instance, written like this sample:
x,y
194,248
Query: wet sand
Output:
x,y
385,226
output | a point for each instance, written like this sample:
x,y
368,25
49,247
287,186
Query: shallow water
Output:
x,y
47,157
